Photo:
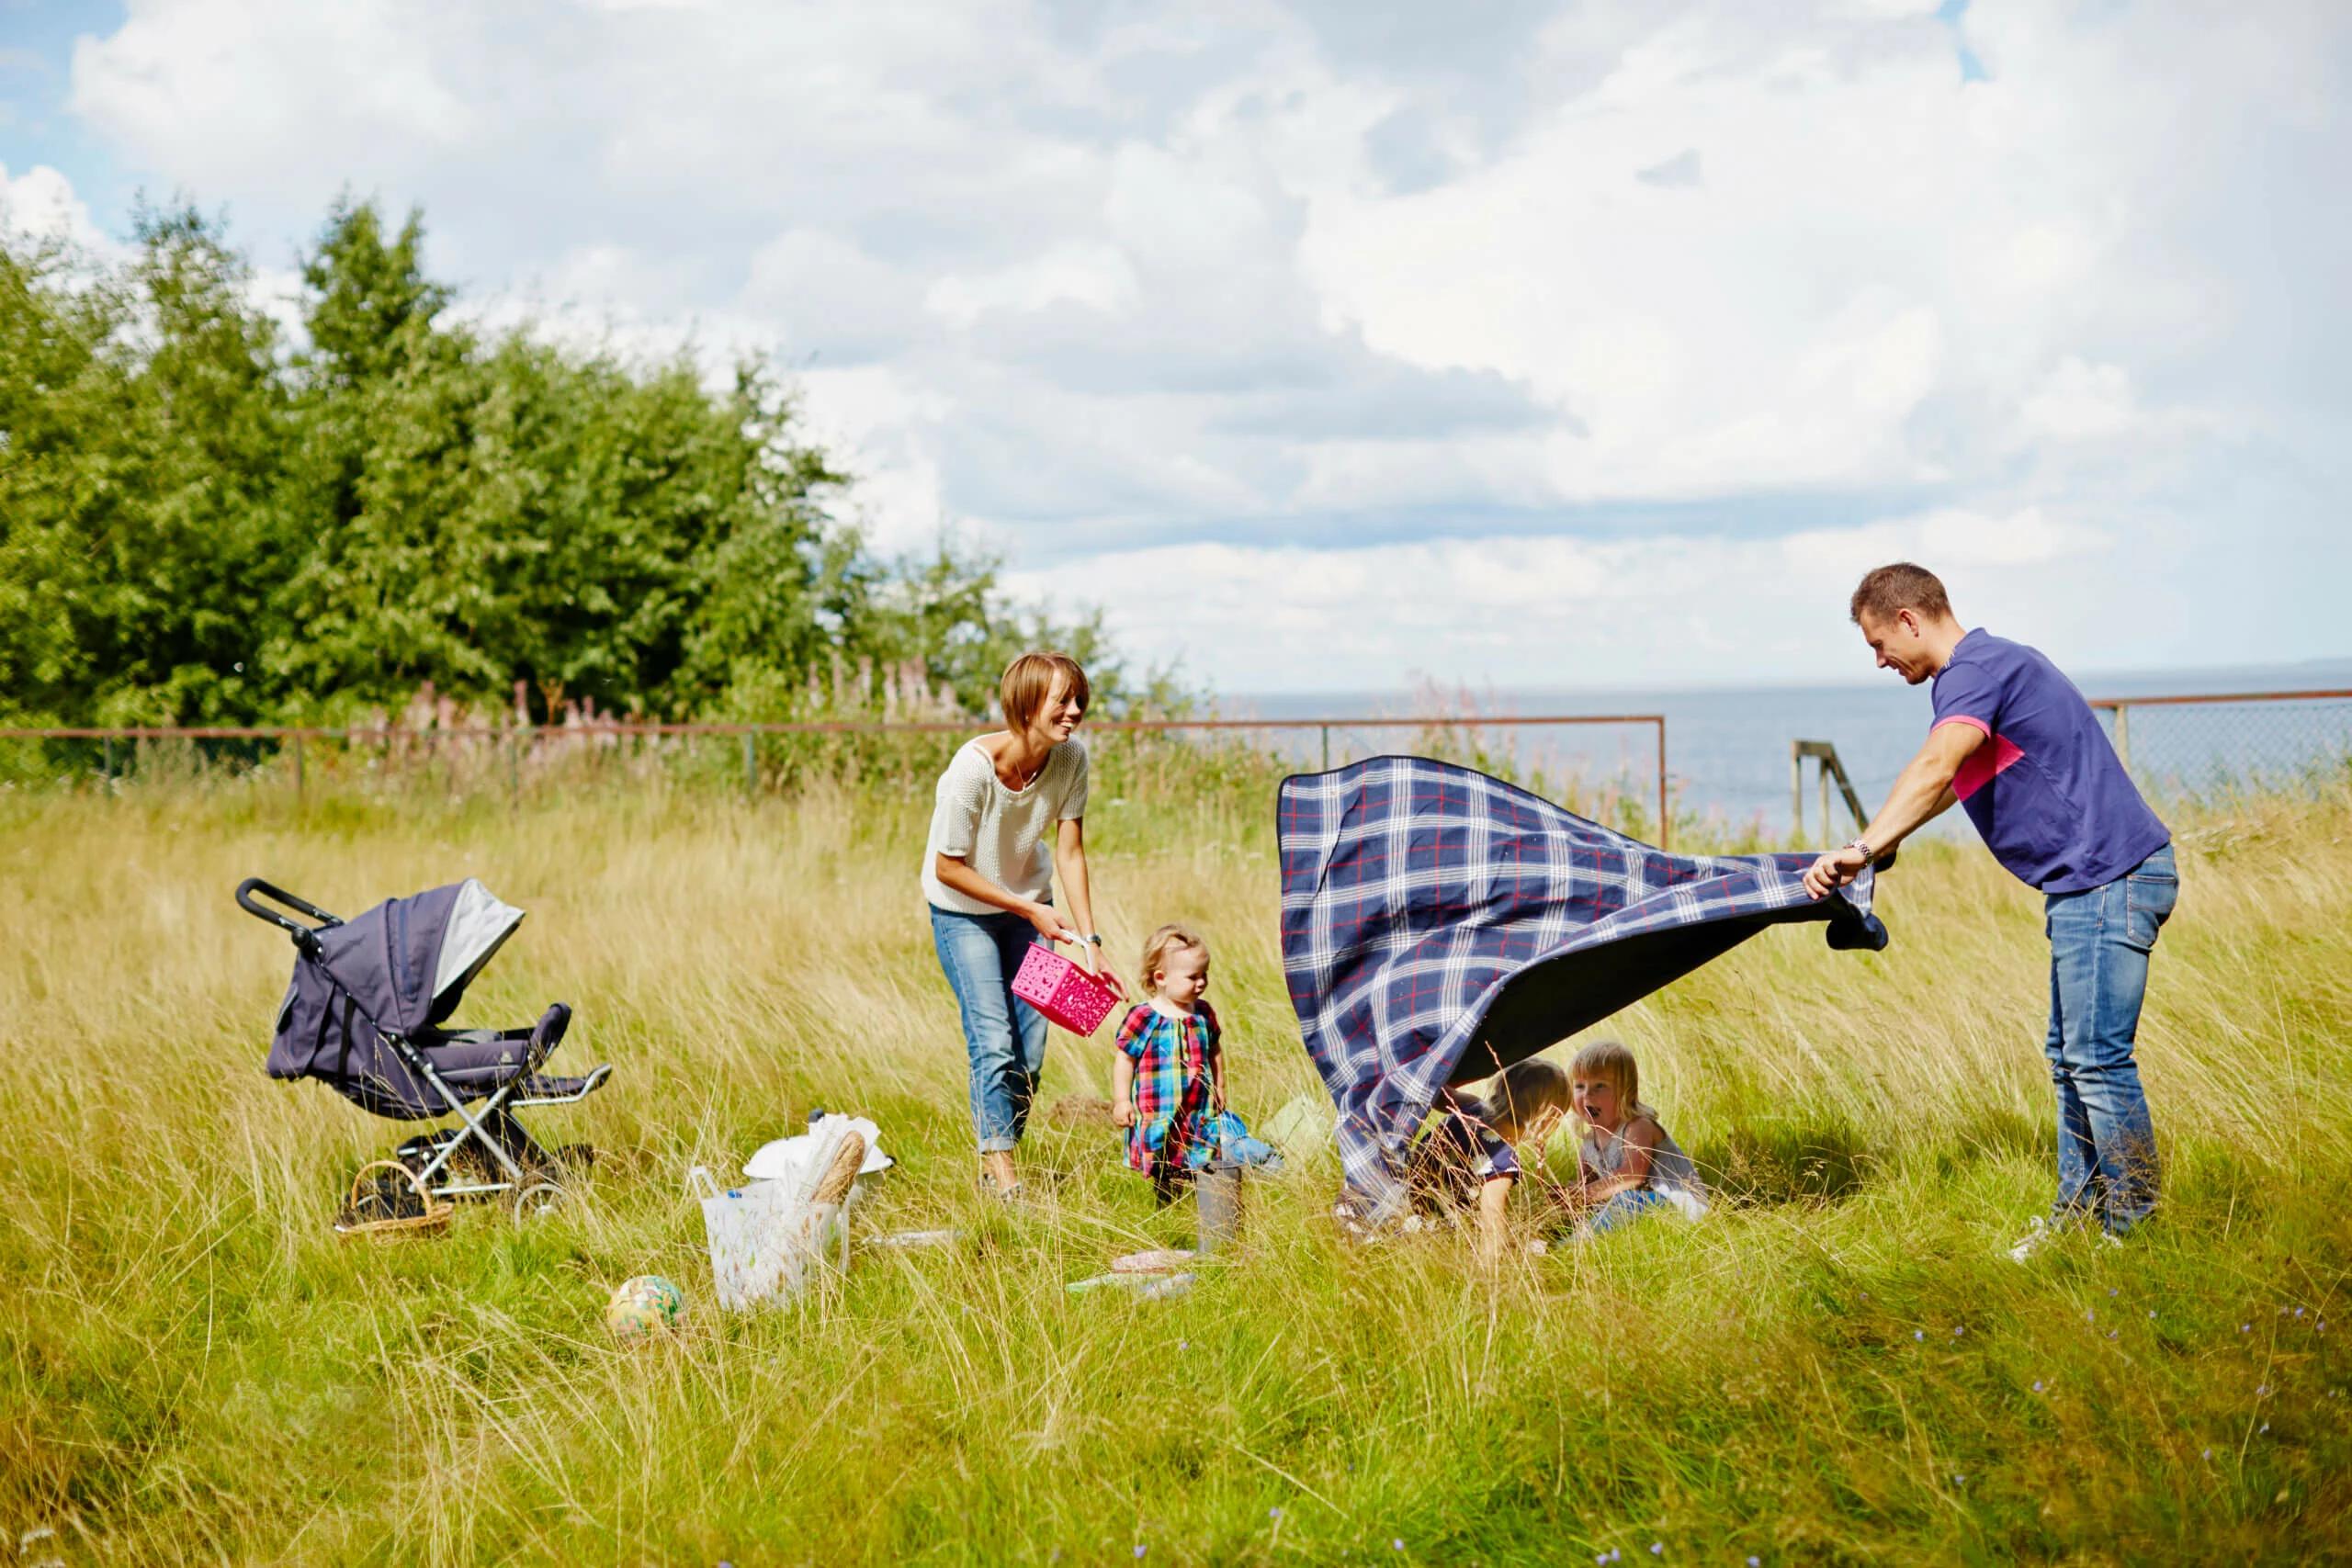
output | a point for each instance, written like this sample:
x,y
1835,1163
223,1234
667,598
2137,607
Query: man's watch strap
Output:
x,y
1863,845
1095,938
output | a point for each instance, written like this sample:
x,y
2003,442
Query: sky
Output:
x,y
1342,346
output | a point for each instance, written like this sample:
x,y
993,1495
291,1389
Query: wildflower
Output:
x,y
2299,1311
2265,1426
2037,1385
2111,1290
1183,1344
2111,1334
2209,1453
1139,1548
1957,1479
2244,1327
1274,1513
1755,1561
1600,1559
1918,1333
1396,1544
2089,1316
2261,1391
1657,1548
1957,1331
2152,1311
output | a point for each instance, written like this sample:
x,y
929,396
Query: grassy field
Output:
x,y
1840,1365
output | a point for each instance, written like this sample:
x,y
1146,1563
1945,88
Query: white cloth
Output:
x,y
801,1160
1006,835
1673,1176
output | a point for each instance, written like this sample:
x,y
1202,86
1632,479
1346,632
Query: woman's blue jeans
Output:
x,y
1004,1036
2099,943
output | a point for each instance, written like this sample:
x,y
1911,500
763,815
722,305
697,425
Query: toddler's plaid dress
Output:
x,y
1172,1058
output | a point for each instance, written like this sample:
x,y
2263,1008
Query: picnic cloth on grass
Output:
x,y
1439,925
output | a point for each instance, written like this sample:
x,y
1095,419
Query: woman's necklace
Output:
x,y
1027,779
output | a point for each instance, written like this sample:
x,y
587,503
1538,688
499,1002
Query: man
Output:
x,y
2014,743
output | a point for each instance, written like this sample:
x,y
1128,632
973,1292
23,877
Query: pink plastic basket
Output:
x,y
1062,991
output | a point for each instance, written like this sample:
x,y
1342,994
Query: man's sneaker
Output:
x,y
2039,1233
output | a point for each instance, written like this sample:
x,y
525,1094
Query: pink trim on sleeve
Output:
x,y
1976,724
1984,764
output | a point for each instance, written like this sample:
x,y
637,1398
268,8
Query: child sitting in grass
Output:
x,y
1168,1078
1465,1159
1627,1164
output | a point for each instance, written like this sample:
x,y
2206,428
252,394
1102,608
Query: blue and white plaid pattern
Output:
x,y
1413,889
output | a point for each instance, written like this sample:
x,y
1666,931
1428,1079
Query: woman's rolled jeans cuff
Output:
x,y
1004,1037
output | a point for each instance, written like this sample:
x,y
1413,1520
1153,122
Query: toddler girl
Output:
x,y
1169,1076
1628,1163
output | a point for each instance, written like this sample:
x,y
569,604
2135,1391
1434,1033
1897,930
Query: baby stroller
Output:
x,y
364,1014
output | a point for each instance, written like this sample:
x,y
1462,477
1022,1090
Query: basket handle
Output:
x,y
433,1205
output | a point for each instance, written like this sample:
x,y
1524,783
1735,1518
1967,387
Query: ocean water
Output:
x,y
1728,748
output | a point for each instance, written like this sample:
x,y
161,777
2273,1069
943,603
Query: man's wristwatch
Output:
x,y
1095,938
1868,855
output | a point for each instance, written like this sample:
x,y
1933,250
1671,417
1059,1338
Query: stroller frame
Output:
x,y
483,1127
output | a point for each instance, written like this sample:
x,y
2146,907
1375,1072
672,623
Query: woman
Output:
x,y
989,871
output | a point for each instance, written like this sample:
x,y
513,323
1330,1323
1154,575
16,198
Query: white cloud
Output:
x,y
1616,291
1555,610
39,205
2078,401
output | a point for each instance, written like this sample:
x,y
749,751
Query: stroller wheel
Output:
x,y
539,1196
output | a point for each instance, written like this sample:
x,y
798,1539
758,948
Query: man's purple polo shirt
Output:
x,y
2047,790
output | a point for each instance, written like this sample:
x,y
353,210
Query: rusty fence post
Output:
x,y
1665,815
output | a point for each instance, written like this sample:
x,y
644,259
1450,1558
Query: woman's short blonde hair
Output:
x,y
1029,681
1614,1065
1164,940
1526,1098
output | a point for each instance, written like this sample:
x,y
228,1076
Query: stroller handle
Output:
x,y
302,934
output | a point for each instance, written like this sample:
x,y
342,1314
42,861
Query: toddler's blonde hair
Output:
x,y
1613,1064
1168,939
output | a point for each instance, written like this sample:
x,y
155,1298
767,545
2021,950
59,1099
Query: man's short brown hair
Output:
x,y
1029,681
1901,586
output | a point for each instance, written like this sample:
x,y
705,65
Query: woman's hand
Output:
x,y
1049,923
1103,972
1123,1113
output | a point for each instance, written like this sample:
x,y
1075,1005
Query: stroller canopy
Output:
x,y
405,963
1439,925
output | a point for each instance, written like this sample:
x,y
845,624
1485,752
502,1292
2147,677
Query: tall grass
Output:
x,y
1838,1365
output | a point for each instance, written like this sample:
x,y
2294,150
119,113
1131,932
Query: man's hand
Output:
x,y
1833,871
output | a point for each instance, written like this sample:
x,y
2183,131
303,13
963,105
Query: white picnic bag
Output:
x,y
767,1237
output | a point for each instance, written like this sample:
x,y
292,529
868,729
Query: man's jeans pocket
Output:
x,y
2150,890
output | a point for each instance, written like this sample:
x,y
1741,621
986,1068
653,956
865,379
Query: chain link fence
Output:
x,y
2198,746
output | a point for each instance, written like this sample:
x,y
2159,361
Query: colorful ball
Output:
x,y
646,1305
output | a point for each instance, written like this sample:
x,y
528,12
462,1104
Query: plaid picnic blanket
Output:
x,y
1439,925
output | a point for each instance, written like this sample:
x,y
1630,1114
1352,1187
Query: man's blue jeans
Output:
x,y
2099,943
1004,1036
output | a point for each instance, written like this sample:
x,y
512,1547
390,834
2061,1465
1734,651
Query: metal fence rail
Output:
x,y
516,745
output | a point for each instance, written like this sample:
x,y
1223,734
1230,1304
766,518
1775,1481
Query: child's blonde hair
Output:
x,y
1613,1064
1168,939
1526,1098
